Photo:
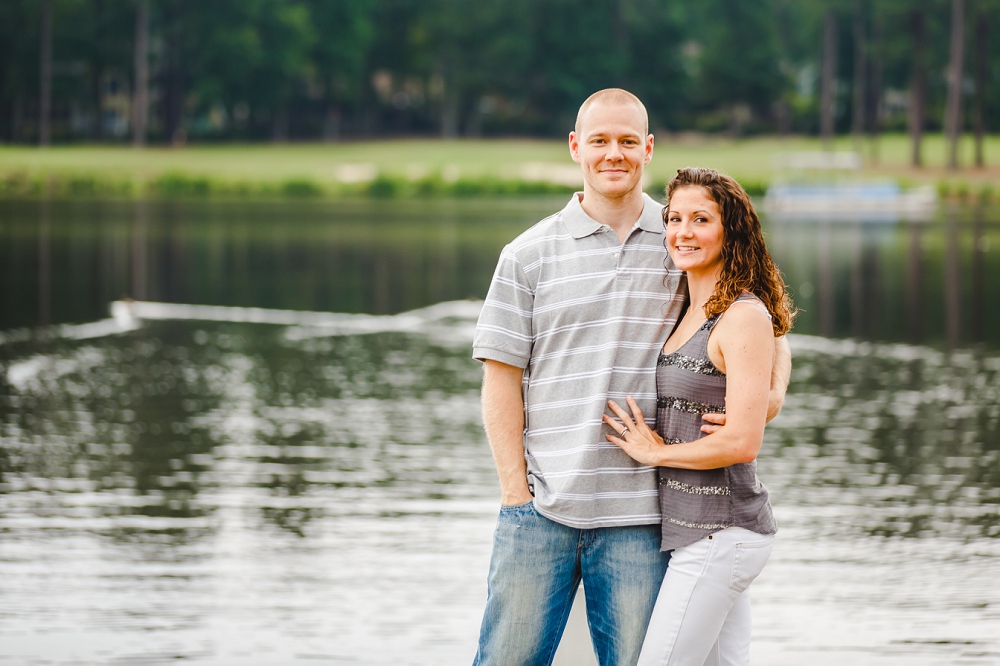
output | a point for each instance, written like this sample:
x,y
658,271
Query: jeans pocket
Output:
x,y
748,562
515,508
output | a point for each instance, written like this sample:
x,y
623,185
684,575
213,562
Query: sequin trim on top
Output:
x,y
694,490
683,405
700,366
696,526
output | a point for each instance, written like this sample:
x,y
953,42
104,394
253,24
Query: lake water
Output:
x,y
218,492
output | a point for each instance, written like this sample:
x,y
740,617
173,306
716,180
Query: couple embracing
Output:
x,y
632,356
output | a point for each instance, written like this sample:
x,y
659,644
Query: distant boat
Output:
x,y
818,186
850,202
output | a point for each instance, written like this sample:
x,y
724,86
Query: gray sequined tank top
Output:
x,y
696,503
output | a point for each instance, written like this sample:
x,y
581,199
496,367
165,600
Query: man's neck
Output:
x,y
620,213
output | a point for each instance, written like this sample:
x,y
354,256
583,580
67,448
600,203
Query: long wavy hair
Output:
x,y
746,264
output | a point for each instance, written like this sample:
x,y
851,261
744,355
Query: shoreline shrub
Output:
x,y
175,184
301,188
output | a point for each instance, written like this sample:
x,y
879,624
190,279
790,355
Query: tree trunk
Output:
x,y
140,96
860,73
953,111
97,77
279,126
875,90
45,82
918,84
828,80
173,103
97,68
16,119
982,29
450,114
331,125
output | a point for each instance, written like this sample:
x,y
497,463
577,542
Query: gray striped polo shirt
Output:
x,y
586,317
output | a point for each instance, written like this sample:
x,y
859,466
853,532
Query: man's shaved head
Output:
x,y
612,96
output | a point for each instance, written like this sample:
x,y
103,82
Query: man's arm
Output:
x,y
503,418
781,372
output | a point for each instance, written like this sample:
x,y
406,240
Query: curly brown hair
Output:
x,y
747,266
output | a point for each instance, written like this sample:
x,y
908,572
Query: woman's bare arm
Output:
x,y
745,340
781,371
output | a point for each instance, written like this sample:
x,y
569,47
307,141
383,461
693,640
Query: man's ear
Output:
x,y
649,149
574,146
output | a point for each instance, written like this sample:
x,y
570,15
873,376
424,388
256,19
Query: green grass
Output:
x,y
427,167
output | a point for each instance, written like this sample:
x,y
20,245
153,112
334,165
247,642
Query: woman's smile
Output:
x,y
694,230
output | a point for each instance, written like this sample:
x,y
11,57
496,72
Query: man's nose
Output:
x,y
614,151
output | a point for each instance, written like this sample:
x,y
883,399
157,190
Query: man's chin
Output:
x,y
616,189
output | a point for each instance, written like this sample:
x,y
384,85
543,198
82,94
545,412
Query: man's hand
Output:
x,y
503,418
781,372
519,495
712,422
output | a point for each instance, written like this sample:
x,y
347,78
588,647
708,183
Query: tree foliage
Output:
x,y
258,69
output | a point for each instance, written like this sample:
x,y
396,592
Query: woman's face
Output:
x,y
694,230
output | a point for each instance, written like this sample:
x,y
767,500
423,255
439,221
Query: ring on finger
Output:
x,y
622,433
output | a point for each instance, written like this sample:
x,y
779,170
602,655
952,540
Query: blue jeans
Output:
x,y
535,570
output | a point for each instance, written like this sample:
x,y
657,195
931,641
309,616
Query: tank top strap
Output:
x,y
746,296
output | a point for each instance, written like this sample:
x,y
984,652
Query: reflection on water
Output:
x,y
234,493
65,261
913,282
254,494
923,283
910,435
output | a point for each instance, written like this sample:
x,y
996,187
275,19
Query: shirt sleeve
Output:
x,y
504,331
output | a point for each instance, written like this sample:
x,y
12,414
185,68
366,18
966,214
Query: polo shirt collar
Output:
x,y
651,219
580,224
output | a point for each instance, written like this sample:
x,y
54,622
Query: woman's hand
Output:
x,y
642,443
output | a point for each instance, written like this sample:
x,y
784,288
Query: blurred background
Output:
x,y
243,246
168,71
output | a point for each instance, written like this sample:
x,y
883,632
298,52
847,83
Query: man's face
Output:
x,y
612,148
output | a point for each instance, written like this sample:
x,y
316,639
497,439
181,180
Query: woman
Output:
x,y
717,520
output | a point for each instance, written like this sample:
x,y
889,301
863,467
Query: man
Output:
x,y
577,313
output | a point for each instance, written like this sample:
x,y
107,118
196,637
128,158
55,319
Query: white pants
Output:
x,y
702,614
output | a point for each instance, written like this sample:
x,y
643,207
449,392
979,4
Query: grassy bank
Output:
x,y
402,168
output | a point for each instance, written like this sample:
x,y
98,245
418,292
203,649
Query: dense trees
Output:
x,y
259,69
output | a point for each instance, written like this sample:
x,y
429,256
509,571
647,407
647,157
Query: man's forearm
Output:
x,y
781,372
503,418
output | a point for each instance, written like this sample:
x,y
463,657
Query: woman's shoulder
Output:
x,y
746,313
752,299
741,303
744,329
